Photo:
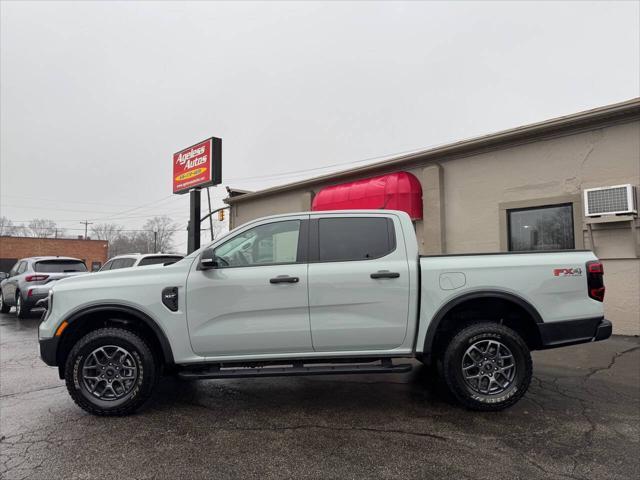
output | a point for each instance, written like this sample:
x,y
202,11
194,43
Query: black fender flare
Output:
x,y
143,317
454,302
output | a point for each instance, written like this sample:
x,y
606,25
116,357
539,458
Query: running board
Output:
x,y
297,368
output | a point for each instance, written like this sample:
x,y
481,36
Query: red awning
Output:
x,y
395,191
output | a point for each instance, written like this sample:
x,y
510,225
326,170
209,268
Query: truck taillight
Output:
x,y
35,278
595,280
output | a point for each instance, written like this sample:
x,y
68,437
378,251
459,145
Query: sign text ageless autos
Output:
x,y
198,166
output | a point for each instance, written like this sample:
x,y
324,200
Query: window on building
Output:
x,y
355,238
267,244
541,228
6,264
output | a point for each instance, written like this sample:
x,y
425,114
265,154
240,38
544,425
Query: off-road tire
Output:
x,y
142,389
453,371
4,308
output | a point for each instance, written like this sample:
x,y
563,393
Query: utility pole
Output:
x,y
86,225
155,240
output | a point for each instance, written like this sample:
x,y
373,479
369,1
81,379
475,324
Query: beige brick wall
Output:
x,y
463,199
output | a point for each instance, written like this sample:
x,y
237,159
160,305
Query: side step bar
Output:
x,y
296,368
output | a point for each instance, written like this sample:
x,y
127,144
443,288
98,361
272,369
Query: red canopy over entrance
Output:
x,y
395,191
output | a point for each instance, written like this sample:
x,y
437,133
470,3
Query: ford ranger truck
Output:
x,y
315,294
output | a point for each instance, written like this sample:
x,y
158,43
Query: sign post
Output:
x,y
194,168
193,241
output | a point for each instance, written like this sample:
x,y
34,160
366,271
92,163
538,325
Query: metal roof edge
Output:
x,y
628,110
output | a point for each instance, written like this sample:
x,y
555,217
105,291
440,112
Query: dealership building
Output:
x,y
516,190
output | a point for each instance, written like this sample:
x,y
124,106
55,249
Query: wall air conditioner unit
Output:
x,y
615,200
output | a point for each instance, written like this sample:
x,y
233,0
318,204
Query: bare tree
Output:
x,y
43,228
129,242
164,228
106,231
7,228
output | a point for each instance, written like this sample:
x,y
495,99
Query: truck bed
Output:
x,y
551,285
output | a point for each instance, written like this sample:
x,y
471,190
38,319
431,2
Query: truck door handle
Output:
x,y
385,274
284,279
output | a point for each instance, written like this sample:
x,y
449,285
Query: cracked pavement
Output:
x,y
579,420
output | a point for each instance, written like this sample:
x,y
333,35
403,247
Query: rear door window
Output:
x,y
355,238
122,263
22,267
60,266
159,260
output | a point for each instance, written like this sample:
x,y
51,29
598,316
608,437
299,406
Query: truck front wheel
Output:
x,y
487,366
110,371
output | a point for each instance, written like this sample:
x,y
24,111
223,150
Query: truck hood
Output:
x,y
122,273
122,277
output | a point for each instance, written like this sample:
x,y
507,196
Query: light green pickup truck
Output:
x,y
321,293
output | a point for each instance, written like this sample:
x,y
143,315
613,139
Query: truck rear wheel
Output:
x,y
110,371
487,367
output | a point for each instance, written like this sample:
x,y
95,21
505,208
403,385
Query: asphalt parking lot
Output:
x,y
580,419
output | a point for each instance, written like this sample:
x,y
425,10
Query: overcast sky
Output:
x,y
96,96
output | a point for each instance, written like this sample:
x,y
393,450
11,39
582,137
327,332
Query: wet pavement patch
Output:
x,y
579,420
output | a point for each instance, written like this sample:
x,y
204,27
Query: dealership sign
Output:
x,y
198,166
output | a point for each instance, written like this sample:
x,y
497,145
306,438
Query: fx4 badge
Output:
x,y
567,272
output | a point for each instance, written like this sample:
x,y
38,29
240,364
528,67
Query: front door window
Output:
x,y
269,244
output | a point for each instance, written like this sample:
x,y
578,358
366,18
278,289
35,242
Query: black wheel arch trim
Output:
x,y
143,317
465,297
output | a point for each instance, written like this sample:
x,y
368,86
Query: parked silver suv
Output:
x,y
30,280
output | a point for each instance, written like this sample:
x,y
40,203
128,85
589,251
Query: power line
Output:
x,y
39,207
369,159
155,202
116,215
74,202
121,215
82,229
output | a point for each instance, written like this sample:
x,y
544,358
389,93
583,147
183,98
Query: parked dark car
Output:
x,y
30,280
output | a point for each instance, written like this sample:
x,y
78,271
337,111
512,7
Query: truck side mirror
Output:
x,y
208,259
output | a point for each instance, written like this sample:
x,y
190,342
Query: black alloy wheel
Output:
x,y
111,371
487,366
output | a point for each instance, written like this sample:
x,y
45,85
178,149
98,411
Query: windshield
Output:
x,y
60,266
216,241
